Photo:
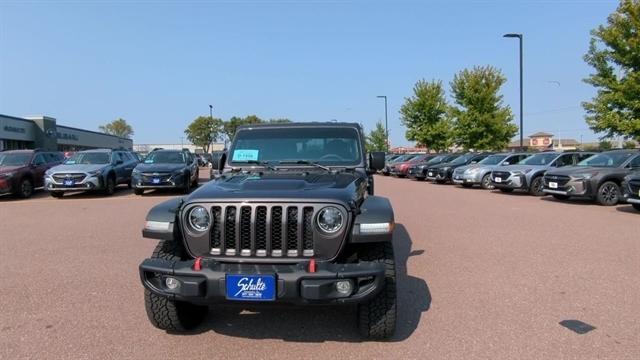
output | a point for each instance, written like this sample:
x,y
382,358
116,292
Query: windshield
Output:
x,y
539,159
328,146
165,157
612,159
89,158
461,159
492,160
437,159
14,159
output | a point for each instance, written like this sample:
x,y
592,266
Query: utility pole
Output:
x,y
519,36
386,122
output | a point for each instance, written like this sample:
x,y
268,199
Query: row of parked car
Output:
x,y
100,170
609,177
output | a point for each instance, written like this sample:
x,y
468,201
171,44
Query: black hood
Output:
x,y
299,186
159,167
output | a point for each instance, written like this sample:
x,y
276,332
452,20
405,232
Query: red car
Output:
x,y
402,168
22,171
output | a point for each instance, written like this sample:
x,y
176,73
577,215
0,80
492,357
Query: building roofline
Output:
x,y
91,131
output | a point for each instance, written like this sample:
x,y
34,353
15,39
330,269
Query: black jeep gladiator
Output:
x,y
292,219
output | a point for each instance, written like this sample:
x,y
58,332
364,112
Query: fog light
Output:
x,y
344,287
172,283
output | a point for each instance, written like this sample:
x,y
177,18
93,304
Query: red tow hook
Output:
x,y
197,266
312,265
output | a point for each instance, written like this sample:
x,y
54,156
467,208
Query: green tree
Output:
x,y
230,126
481,121
425,115
279,121
629,145
614,53
118,127
203,131
605,145
377,139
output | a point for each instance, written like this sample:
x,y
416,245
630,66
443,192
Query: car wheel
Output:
x,y
138,191
506,190
110,186
536,186
561,197
167,314
56,194
608,194
486,182
377,317
636,206
26,189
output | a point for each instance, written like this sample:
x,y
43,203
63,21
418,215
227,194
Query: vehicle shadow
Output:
x,y
324,323
38,194
571,201
121,191
625,208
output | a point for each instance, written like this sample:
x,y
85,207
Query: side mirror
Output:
x,y
376,160
217,163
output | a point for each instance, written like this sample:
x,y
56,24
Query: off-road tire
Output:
x,y
56,194
166,314
110,185
561,197
636,206
506,190
25,190
608,194
536,186
485,183
377,317
138,191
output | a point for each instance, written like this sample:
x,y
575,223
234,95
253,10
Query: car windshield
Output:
x,y
165,157
539,159
610,159
304,145
461,159
492,160
437,159
14,159
89,158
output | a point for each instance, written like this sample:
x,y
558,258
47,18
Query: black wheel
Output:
x,y
138,191
636,206
506,190
536,186
56,194
377,317
187,184
486,182
110,186
465,185
608,194
169,314
561,197
26,188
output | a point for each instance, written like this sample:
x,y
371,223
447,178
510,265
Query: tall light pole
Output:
x,y
519,36
386,124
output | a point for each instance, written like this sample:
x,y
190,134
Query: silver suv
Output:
x,y
100,169
528,174
479,174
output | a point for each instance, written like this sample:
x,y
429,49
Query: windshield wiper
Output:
x,y
304,162
260,163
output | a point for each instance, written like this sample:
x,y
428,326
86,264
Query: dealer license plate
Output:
x,y
155,180
553,185
251,287
69,182
498,180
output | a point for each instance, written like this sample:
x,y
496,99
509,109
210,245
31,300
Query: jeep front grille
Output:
x,y
263,230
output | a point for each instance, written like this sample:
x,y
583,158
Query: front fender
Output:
x,y
161,220
375,221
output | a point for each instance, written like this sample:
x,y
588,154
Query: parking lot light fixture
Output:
x,y
386,125
519,37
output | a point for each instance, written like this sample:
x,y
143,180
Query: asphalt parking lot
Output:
x,y
482,275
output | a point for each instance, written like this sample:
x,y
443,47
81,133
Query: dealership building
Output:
x,y
45,133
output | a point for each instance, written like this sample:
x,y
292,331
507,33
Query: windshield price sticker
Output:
x,y
245,155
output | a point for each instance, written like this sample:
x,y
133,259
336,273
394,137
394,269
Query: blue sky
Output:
x,y
159,64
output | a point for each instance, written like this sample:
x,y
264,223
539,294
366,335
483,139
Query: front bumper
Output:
x,y
170,182
294,284
629,194
88,183
514,181
462,178
573,187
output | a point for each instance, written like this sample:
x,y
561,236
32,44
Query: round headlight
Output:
x,y
330,219
199,218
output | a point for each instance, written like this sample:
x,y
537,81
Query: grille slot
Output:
x,y
307,232
216,235
292,231
230,231
261,231
276,231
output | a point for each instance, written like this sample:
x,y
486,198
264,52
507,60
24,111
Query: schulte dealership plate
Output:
x,y
251,287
